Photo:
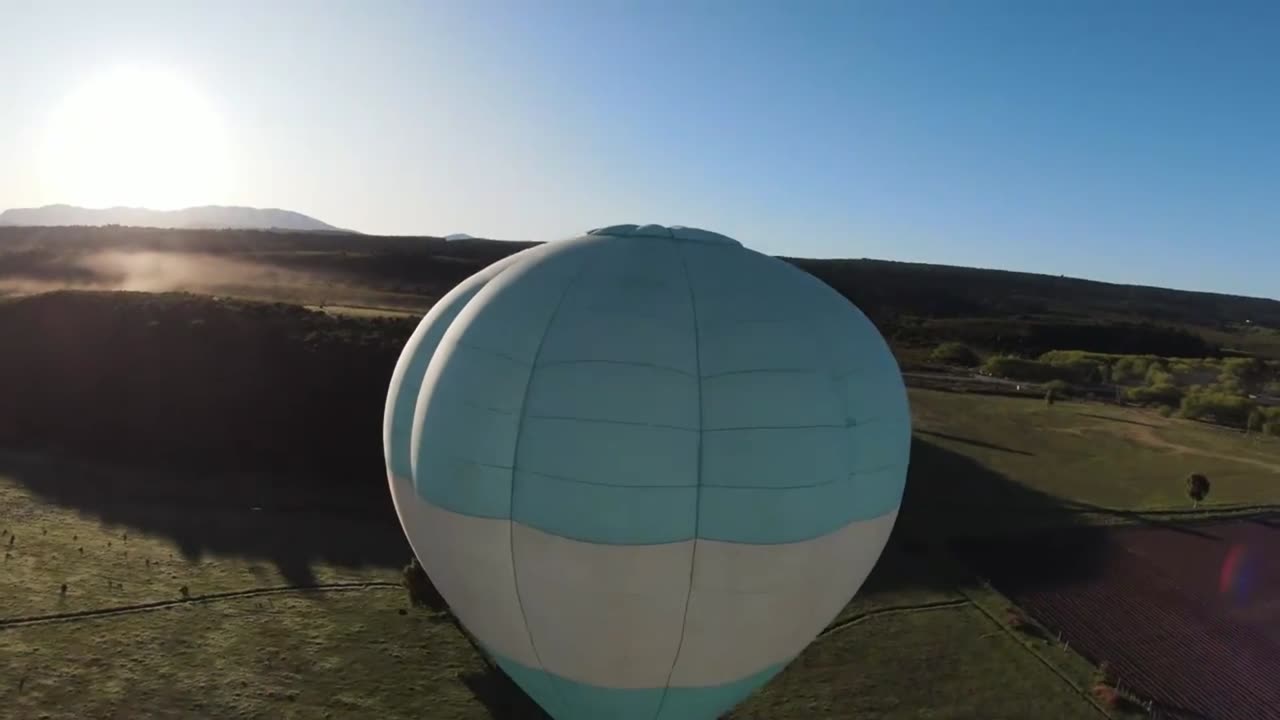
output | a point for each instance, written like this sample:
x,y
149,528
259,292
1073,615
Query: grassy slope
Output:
x,y
1078,461
335,654
946,663
351,654
107,565
915,643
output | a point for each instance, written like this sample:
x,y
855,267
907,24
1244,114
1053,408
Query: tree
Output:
x,y
1257,419
1197,488
954,353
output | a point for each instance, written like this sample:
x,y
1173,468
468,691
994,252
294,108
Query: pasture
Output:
x,y
252,600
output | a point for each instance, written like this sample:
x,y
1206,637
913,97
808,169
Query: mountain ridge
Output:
x,y
234,217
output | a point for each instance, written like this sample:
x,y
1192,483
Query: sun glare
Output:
x,y
135,137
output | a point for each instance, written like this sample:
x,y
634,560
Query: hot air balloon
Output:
x,y
646,466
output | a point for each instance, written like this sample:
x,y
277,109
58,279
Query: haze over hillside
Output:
x,y
204,217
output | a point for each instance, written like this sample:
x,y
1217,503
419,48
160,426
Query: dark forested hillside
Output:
x,y
914,304
201,381
880,287
190,382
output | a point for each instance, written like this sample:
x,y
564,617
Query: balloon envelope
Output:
x,y
646,466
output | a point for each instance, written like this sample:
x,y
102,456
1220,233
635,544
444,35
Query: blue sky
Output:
x,y
1131,142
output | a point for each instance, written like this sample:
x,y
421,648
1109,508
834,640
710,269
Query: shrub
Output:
x,y
1131,368
1245,371
1157,373
1078,367
1015,368
1163,394
1165,411
1213,404
955,353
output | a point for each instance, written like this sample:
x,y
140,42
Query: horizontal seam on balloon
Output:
x,y
761,371
851,373
824,483
622,316
731,327
881,468
552,476
579,481
841,426
604,421
477,463
627,363
488,408
496,353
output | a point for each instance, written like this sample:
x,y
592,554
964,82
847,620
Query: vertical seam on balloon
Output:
x,y
515,451
469,295
697,498
839,378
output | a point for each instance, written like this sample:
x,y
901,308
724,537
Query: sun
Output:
x,y
138,137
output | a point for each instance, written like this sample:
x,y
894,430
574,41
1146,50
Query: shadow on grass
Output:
x,y
501,696
252,517
949,496
1126,421
991,523
974,443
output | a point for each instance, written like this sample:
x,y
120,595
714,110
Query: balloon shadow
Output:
x,y
501,696
255,518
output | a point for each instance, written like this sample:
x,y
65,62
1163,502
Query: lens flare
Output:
x,y
1235,581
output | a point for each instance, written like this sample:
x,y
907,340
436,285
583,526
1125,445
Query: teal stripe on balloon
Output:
x,y
417,354
558,407
773,516
566,699
417,357
604,514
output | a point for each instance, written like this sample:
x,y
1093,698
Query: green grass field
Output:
x,y
922,639
1022,464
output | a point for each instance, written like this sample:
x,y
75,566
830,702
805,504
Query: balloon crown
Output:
x,y
675,232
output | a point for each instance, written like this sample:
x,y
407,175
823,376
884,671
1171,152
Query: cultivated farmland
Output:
x,y
1163,607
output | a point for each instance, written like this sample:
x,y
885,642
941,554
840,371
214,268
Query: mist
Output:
x,y
154,271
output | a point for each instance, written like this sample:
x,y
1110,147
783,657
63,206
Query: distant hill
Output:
x,y
459,236
205,217
914,305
